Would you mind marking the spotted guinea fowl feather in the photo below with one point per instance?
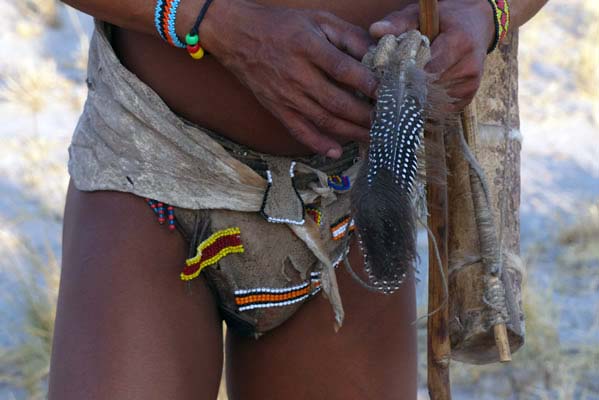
(395, 138)
(382, 200)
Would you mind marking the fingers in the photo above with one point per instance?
(347, 37)
(396, 23)
(457, 54)
(331, 124)
(340, 102)
(466, 68)
(312, 125)
(455, 69)
(306, 133)
(443, 54)
(463, 92)
(452, 46)
(346, 70)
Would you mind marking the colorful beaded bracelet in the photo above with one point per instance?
(501, 13)
(165, 15)
(194, 48)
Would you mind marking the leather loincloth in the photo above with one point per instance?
(284, 223)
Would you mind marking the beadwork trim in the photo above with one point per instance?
(340, 258)
(339, 182)
(315, 213)
(264, 297)
(274, 304)
(245, 292)
(341, 227)
(158, 208)
(501, 14)
(269, 185)
(212, 250)
(316, 283)
(174, 39)
(158, 10)
(165, 15)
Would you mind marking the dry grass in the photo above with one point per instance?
(34, 85)
(546, 367)
(559, 61)
(585, 231)
(25, 365)
(45, 10)
(581, 249)
(30, 85)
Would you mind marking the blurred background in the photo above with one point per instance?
(43, 55)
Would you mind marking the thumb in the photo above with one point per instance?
(396, 23)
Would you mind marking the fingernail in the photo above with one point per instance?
(334, 153)
(380, 27)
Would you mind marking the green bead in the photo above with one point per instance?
(192, 40)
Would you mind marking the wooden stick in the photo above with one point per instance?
(438, 345)
(429, 18)
(470, 126)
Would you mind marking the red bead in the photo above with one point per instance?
(171, 227)
(194, 48)
(190, 269)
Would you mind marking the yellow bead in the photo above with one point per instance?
(198, 54)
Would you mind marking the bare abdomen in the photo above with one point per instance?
(205, 93)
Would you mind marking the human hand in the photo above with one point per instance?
(302, 66)
(458, 53)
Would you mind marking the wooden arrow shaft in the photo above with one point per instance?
(429, 18)
(438, 345)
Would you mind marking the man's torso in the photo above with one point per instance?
(207, 94)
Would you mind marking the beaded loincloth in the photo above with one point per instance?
(266, 231)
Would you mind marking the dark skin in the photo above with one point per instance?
(126, 329)
(281, 78)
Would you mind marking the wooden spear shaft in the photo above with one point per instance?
(438, 345)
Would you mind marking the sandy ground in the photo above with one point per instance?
(42, 91)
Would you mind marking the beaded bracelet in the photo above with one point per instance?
(501, 13)
(194, 48)
(165, 14)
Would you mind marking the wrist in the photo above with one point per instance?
(217, 31)
(214, 30)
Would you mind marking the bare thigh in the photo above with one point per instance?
(373, 356)
(126, 328)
